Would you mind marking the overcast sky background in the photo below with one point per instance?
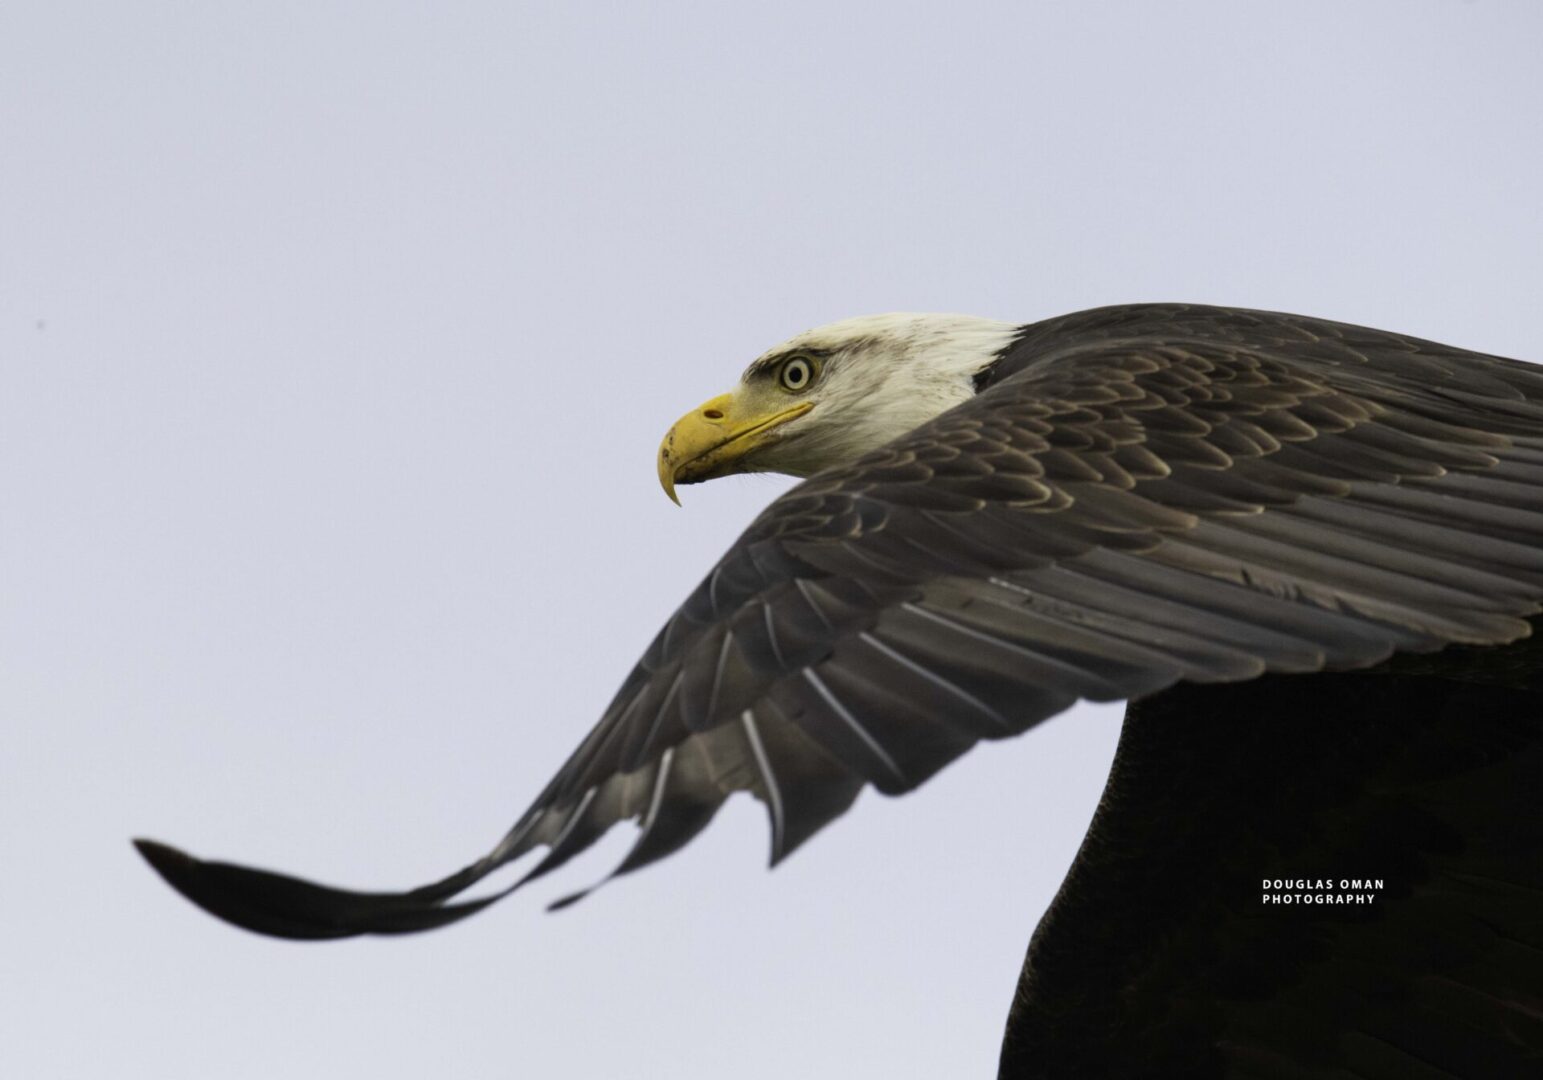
(336, 344)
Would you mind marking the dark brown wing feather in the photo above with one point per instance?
(1139, 496)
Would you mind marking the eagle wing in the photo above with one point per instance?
(1138, 496)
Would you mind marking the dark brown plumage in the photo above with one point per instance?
(1159, 956)
(1138, 497)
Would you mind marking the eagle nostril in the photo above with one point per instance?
(712, 414)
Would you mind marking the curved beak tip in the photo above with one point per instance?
(667, 478)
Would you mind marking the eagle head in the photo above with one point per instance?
(831, 394)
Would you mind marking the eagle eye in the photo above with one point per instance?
(796, 374)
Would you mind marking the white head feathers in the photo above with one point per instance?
(880, 376)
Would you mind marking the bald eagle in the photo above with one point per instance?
(1309, 554)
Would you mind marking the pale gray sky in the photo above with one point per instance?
(336, 343)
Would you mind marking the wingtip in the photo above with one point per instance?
(277, 905)
(163, 857)
(255, 900)
(175, 866)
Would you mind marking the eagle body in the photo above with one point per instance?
(1183, 943)
(1308, 553)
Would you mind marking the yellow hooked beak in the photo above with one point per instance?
(712, 439)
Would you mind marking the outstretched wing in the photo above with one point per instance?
(1138, 496)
